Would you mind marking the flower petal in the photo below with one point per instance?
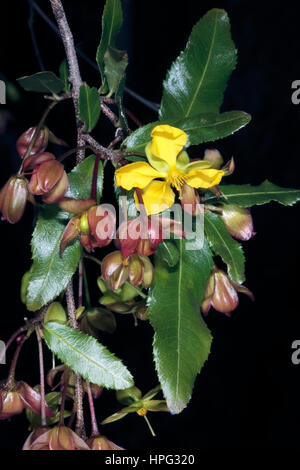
(205, 178)
(157, 196)
(136, 175)
(197, 165)
(157, 163)
(182, 160)
(167, 143)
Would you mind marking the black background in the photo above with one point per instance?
(247, 394)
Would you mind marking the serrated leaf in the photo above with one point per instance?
(112, 20)
(197, 79)
(246, 195)
(168, 252)
(88, 107)
(182, 340)
(64, 75)
(51, 271)
(87, 357)
(199, 129)
(224, 245)
(43, 82)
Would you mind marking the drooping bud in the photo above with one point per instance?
(71, 231)
(40, 143)
(58, 438)
(50, 181)
(56, 313)
(214, 157)
(221, 293)
(13, 198)
(33, 436)
(116, 270)
(101, 224)
(190, 200)
(102, 443)
(14, 398)
(37, 159)
(238, 221)
(76, 206)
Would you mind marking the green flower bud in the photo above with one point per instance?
(129, 395)
(56, 313)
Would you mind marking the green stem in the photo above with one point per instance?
(149, 426)
(86, 288)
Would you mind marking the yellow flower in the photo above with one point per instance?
(169, 166)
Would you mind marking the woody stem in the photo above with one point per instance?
(42, 379)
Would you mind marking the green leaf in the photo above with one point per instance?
(44, 82)
(131, 207)
(246, 195)
(182, 340)
(80, 179)
(87, 357)
(112, 20)
(224, 245)
(200, 128)
(115, 65)
(51, 271)
(168, 252)
(88, 107)
(197, 79)
(64, 75)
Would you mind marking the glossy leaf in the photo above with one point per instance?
(112, 20)
(182, 340)
(43, 82)
(115, 65)
(224, 245)
(87, 357)
(88, 107)
(246, 195)
(51, 271)
(199, 128)
(168, 252)
(197, 79)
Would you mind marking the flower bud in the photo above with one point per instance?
(40, 143)
(33, 436)
(50, 181)
(57, 438)
(13, 198)
(71, 231)
(56, 313)
(33, 161)
(221, 293)
(238, 221)
(101, 224)
(214, 157)
(190, 200)
(102, 443)
(16, 397)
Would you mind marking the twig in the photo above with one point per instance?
(10, 341)
(11, 376)
(74, 72)
(110, 114)
(109, 154)
(30, 23)
(78, 382)
(95, 430)
(42, 379)
(149, 104)
(80, 283)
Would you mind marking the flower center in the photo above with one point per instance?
(176, 178)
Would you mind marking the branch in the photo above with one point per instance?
(74, 72)
(98, 148)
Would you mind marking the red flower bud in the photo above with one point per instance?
(13, 198)
(14, 398)
(39, 145)
(190, 200)
(221, 293)
(58, 438)
(50, 181)
(214, 157)
(37, 159)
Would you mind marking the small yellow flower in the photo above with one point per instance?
(169, 166)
